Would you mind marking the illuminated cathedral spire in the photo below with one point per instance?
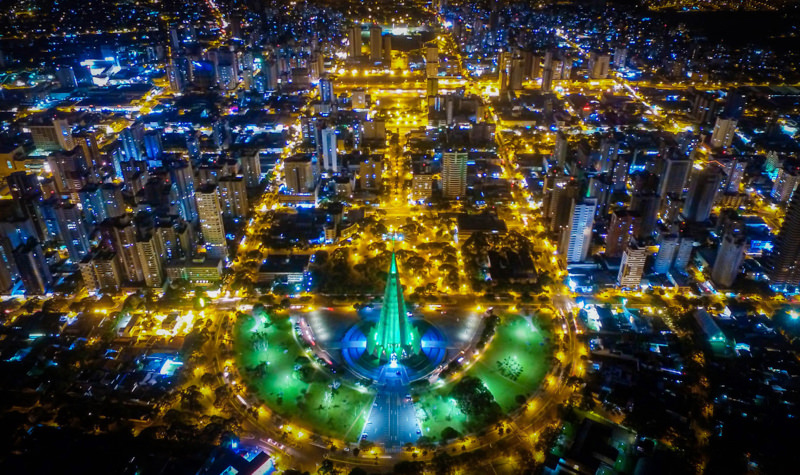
(394, 334)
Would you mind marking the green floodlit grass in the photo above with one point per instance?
(342, 414)
(518, 346)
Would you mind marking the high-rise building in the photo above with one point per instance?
(354, 41)
(326, 90)
(153, 144)
(131, 140)
(730, 256)
(124, 241)
(632, 267)
(620, 57)
(91, 200)
(503, 70)
(72, 231)
(358, 99)
(299, 174)
(421, 186)
(210, 214)
(516, 75)
(327, 150)
(559, 193)
(100, 271)
(547, 73)
(387, 51)
(598, 65)
(150, 260)
(734, 172)
(53, 136)
(70, 172)
(619, 174)
(784, 185)
(609, 150)
(566, 69)
(534, 64)
(623, 226)
(175, 77)
(9, 274)
(560, 150)
(433, 87)
(269, 72)
(32, 268)
(182, 174)
(674, 175)
(250, 166)
(14, 233)
(724, 131)
(735, 104)
(375, 43)
(701, 196)
(577, 237)
(370, 172)
(175, 238)
(113, 202)
(233, 197)
(646, 205)
(454, 174)
(785, 261)
(684, 254)
(667, 250)
(66, 77)
(316, 66)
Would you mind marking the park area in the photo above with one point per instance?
(511, 367)
(290, 381)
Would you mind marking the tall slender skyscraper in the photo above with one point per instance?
(702, 194)
(33, 270)
(785, 262)
(326, 91)
(730, 255)
(210, 214)
(646, 204)
(784, 185)
(454, 174)
(667, 250)
(623, 226)
(375, 43)
(674, 175)
(327, 150)
(724, 131)
(72, 231)
(560, 150)
(577, 238)
(632, 267)
(354, 41)
(298, 174)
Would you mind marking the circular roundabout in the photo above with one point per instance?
(392, 375)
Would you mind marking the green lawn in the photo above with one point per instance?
(518, 348)
(314, 405)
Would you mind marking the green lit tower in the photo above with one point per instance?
(393, 337)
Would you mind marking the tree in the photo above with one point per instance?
(449, 433)
(475, 400)
(208, 379)
(409, 468)
(327, 467)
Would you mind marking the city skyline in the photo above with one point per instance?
(420, 236)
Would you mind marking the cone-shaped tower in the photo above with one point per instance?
(394, 334)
